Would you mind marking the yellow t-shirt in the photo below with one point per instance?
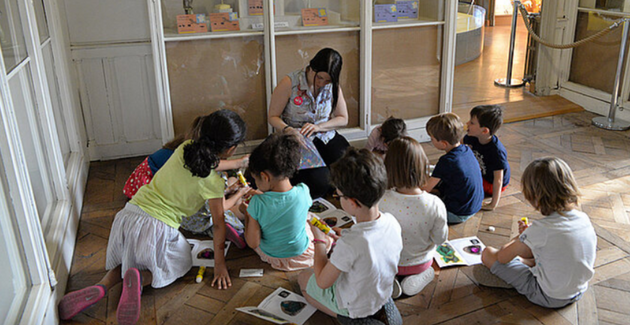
(174, 192)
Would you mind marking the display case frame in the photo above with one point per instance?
(365, 29)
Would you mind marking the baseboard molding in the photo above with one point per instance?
(594, 105)
(62, 260)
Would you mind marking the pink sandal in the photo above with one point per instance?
(232, 235)
(77, 301)
(129, 305)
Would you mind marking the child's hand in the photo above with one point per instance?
(337, 234)
(243, 162)
(522, 226)
(317, 233)
(221, 277)
(488, 207)
(242, 191)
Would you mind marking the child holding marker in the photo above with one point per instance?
(356, 281)
(548, 248)
(143, 174)
(276, 220)
(422, 215)
(144, 243)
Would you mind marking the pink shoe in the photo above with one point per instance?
(232, 235)
(77, 301)
(129, 305)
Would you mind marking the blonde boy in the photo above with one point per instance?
(456, 178)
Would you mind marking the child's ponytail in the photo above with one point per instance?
(217, 133)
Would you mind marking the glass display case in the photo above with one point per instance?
(212, 54)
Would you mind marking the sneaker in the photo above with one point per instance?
(482, 275)
(413, 284)
(128, 311)
(78, 301)
(232, 235)
(397, 291)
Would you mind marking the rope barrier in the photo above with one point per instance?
(591, 38)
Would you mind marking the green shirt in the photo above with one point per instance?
(174, 192)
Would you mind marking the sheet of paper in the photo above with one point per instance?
(287, 305)
(202, 252)
(461, 251)
(248, 273)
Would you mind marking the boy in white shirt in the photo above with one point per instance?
(357, 280)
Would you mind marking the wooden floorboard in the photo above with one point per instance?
(535, 127)
(451, 298)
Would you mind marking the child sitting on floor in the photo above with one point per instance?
(357, 280)
(144, 243)
(276, 221)
(485, 121)
(456, 178)
(557, 252)
(143, 173)
(422, 215)
(381, 136)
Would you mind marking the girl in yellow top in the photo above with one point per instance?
(144, 243)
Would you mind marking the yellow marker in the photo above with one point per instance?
(202, 271)
(525, 220)
(241, 178)
(322, 226)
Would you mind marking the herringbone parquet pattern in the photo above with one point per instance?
(599, 158)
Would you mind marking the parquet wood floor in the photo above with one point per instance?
(599, 158)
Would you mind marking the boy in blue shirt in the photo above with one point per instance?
(456, 178)
(484, 122)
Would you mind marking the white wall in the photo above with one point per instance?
(112, 56)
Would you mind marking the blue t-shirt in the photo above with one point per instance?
(491, 156)
(282, 219)
(461, 187)
(158, 159)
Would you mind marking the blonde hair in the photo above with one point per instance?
(406, 164)
(447, 127)
(549, 186)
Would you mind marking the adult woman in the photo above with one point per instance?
(311, 100)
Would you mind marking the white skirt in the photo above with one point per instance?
(141, 241)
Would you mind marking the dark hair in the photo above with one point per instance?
(406, 164)
(549, 185)
(393, 128)
(447, 127)
(216, 133)
(488, 116)
(329, 61)
(279, 154)
(360, 175)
